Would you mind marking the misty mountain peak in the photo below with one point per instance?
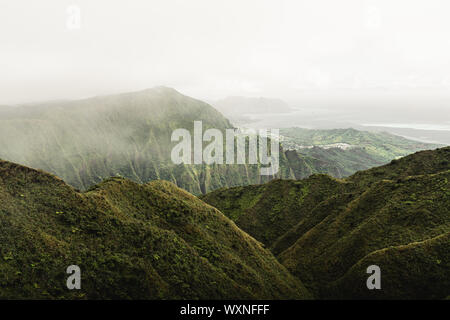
(160, 90)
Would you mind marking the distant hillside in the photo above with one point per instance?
(349, 150)
(431, 136)
(152, 241)
(326, 231)
(334, 161)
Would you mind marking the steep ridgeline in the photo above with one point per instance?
(396, 217)
(127, 135)
(345, 151)
(131, 241)
(267, 211)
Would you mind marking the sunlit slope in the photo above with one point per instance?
(152, 241)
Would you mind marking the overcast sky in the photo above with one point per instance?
(214, 48)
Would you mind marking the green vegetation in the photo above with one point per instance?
(156, 241)
(131, 241)
(128, 135)
(345, 151)
(137, 237)
(395, 216)
(279, 204)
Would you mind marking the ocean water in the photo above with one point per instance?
(418, 126)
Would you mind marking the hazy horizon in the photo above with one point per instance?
(367, 62)
(216, 48)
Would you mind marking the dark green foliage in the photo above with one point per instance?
(420, 163)
(396, 216)
(387, 214)
(279, 204)
(152, 241)
(419, 270)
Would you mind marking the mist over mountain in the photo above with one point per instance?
(416, 113)
(129, 135)
(321, 231)
(225, 150)
(238, 109)
(425, 135)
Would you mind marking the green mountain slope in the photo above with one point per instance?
(420, 163)
(388, 214)
(418, 270)
(334, 161)
(267, 211)
(152, 241)
(127, 135)
(349, 150)
(391, 216)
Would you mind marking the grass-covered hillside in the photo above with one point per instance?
(279, 204)
(396, 216)
(151, 241)
(349, 150)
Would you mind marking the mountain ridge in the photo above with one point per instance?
(131, 241)
(129, 135)
(398, 204)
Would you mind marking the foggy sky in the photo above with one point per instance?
(211, 49)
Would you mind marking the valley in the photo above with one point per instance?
(293, 239)
(92, 183)
(395, 216)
